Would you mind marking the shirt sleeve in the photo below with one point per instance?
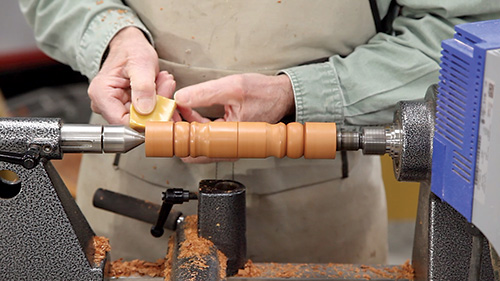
(364, 87)
(77, 33)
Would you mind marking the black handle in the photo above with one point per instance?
(170, 197)
(132, 207)
(28, 160)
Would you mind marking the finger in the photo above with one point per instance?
(206, 160)
(196, 160)
(103, 85)
(123, 96)
(191, 116)
(109, 100)
(221, 91)
(113, 110)
(165, 84)
(176, 117)
(142, 82)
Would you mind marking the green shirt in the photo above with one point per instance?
(361, 88)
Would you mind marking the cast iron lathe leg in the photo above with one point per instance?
(443, 242)
(44, 234)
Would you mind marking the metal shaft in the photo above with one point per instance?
(132, 207)
(371, 140)
(98, 138)
(408, 140)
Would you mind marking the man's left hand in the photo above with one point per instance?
(245, 97)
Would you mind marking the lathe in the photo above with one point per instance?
(445, 142)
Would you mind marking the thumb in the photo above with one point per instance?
(142, 83)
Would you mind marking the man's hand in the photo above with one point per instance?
(130, 74)
(246, 97)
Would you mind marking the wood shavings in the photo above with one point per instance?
(168, 263)
(101, 246)
(120, 268)
(195, 249)
(193, 246)
(250, 270)
(405, 271)
(331, 270)
(222, 265)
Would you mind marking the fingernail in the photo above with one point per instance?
(144, 105)
(181, 98)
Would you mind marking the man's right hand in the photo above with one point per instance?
(129, 74)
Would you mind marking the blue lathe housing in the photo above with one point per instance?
(465, 162)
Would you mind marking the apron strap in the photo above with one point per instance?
(385, 24)
(345, 164)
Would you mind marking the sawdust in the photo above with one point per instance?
(193, 246)
(271, 270)
(250, 270)
(101, 247)
(405, 271)
(120, 268)
(167, 273)
(222, 265)
(331, 270)
(196, 249)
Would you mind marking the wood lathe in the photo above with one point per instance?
(445, 142)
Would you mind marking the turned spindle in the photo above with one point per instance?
(241, 139)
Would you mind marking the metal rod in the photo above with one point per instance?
(132, 207)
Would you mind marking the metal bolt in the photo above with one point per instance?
(29, 163)
(47, 148)
(180, 220)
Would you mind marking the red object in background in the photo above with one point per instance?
(24, 60)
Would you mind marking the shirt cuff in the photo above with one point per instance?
(317, 91)
(101, 29)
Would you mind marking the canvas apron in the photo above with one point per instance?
(297, 210)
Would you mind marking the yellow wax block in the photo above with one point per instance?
(163, 111)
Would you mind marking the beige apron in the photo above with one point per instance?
(297, 210)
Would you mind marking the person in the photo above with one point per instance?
(253, 61)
